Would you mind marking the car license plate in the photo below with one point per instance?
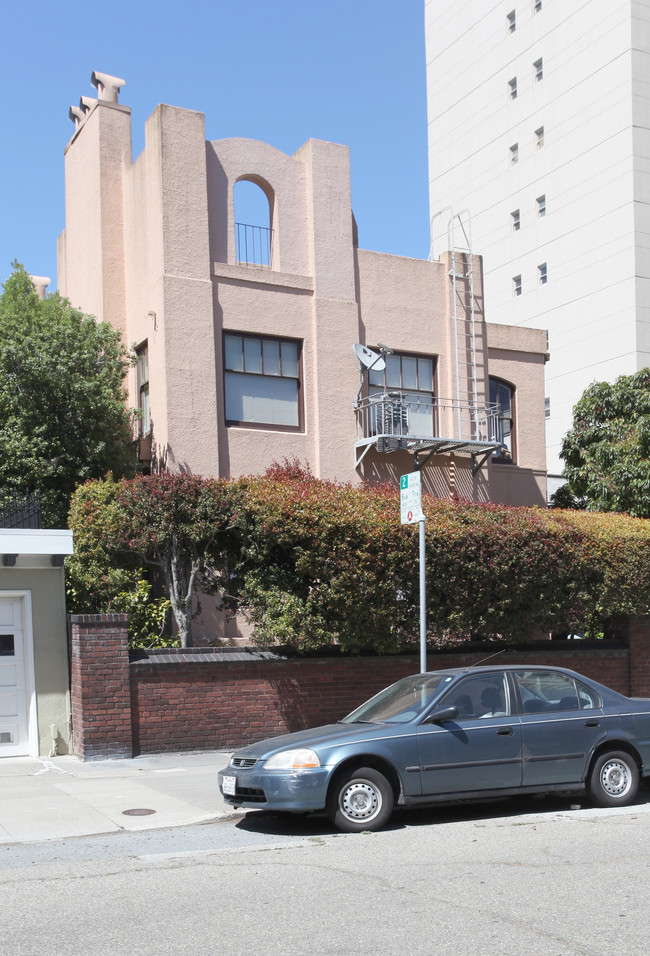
(228, 785)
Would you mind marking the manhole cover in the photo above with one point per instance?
(138, 812)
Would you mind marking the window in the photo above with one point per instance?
(512, 21)
(516, 285)
(550, 691)
(542, 274)
(514, 154)
(516, 220)
(541, 207)
(502, 400)
(412, 376)
(539, 137)
(142, 375)
(547, 408)
(537, 6)
(538, 70)
(262, 381)
(480, 695)
(512, 87)
(253, 233)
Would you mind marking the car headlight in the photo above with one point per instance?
(292, 760)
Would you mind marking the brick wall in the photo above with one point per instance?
(203, 698)
(99, 686)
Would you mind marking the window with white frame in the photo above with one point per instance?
(514, 154)
(412, 377)
(512, 88)
(515, 220)
(539, 138)
(547, 408)
(262, 380)
(541, 206)
(512, 21)
(142, 385)
(542, 274)
(516, 285)
(502, 400)
(538, 70)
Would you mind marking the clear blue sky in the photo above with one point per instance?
(349, 71)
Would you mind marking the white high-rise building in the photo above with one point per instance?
(539, 126)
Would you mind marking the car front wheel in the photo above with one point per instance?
(359, 800)
(614, 779)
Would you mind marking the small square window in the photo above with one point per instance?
(512, 88)
(541, 207)
(538, 70)
(516, 285)
(512, 21)
(539, 137)
(542, 274)
(514, 154)
(516, 220)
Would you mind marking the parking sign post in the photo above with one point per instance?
(410, 512)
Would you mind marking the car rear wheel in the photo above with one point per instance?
(359, 800)
(614, 779)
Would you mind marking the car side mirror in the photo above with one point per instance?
(439, 714)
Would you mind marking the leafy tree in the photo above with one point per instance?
(63, 417)
(101, 578)
(182, 525)
(315, 563)
(607, 450)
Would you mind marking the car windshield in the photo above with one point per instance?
(402, 701)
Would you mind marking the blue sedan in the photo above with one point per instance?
(452, 734)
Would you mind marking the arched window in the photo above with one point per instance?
(502, 398)
(253, 236)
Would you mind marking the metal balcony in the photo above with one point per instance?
(392, 421)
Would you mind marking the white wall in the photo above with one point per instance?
(594, 105)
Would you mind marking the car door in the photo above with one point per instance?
(561, 722)
(478, 750)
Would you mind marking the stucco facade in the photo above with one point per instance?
(34, 675)
(248, 359)
(539, 124)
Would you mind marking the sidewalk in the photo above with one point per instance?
(47, 798)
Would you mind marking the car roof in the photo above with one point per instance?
(474, 668)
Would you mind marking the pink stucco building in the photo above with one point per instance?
(245, 333)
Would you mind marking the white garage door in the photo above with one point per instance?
(15, 677)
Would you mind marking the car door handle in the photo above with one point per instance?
(592, 723)
(505, 732)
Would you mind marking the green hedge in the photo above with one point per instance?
(316, 562)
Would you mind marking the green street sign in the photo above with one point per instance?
(410, 498)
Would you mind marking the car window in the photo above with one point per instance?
(552, 691)
(479, 695)
(402, 701)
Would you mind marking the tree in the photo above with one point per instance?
(182, 525)
(607, 450)
(63, 417)
(102, 578)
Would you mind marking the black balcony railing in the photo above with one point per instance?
(20, 509)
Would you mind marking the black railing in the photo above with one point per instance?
(20, 509)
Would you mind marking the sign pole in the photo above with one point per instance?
(423, 600)
(410, 512)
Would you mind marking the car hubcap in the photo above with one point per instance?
(615, 778)
(360, 801)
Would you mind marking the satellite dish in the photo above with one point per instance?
(369, 358)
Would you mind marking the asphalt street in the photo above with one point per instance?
(547, 877)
